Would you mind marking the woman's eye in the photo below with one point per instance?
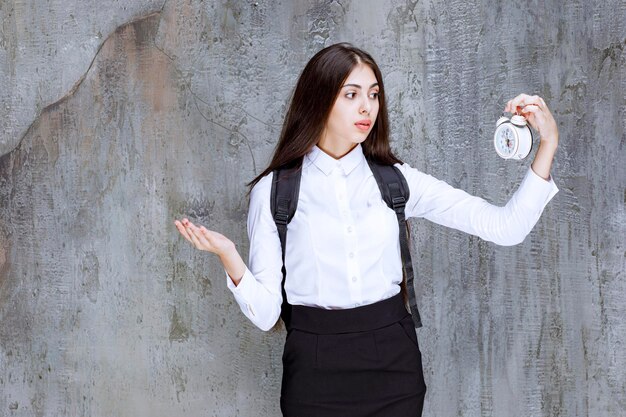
(374, 95)
(350, 94)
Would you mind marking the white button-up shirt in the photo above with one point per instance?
(343, 247)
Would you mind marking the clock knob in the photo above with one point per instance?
(518, 120)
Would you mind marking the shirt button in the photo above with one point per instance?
(351, 254)
(353, 279)
(349, 229)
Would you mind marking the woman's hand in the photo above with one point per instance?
(217, 243)
(535, 110)
(204, 239)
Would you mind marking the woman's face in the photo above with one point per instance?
(354, 113)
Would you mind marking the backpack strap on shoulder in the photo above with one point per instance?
(395, 191)
(283, 203)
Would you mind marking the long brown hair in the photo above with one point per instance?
(312, 101)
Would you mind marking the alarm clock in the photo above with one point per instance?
(513, 138)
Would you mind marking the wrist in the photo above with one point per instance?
(549, 142)
(546, 150)
(233, 264)
(227, 251)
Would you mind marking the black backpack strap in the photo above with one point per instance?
(395, 192)
(283, 203)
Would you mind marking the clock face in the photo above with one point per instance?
(505, 141)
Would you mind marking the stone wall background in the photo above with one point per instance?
(118, 117)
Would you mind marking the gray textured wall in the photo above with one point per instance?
(118, 117)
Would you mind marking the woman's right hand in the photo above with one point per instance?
(204, 239)
(217, 243)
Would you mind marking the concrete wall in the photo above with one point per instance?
(118, 117)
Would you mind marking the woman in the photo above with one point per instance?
(342, 256)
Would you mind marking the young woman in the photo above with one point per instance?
(354, 350)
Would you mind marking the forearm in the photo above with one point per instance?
(233, 264)
(543, 159)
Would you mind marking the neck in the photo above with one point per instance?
(335, 150)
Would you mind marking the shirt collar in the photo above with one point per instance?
(327, 163)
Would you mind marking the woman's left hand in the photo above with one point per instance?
(535, 110)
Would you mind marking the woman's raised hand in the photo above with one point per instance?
(535, 110)
(203, 238)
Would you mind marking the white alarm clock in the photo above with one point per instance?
(513, 138)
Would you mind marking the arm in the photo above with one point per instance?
(443, 204)
(258, 294)
(508, 225)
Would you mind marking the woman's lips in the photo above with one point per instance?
(363, 124)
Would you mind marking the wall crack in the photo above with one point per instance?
(79, 82)
(195, 102)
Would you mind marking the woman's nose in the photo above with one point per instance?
(365, 108)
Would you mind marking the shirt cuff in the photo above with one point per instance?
(243, 291)
(240, 288)
(535, 191)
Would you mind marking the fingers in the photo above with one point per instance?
(199, 237)
(185, 227)
(520, 103)
(204, 233)
(182, 230)
(537, 113)
(203, 238)
(194, 238)
(530, 108)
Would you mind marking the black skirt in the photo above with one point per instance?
(359, 362)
